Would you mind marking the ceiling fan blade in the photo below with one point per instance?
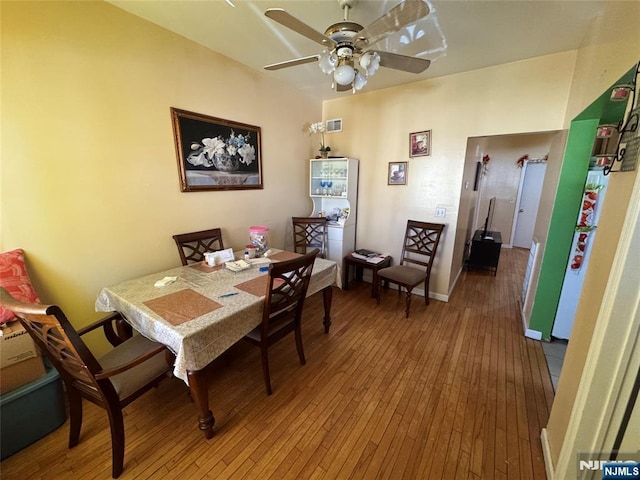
(403, 14)
(289, 21)
(292, 63)
(403, 62)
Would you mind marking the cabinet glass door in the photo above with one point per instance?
(329, 178)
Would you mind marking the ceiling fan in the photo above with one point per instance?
(348, 55)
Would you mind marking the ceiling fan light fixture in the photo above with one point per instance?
(359, 81)
(370, 61)
(343, 57)
(344, 74)
(327, 62)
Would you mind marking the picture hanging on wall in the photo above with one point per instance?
(420, 144)
(216, 154)
(397, 173)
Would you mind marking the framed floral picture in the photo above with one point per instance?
(420, 144)
(397, 173)
(216, 154)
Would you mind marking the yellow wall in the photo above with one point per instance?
(502, 176)
(510, 98)
(611, 49)
(89, 174)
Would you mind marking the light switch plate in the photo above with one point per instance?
(441, 211)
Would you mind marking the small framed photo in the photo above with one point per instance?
(397, 173)
(216, 154)
(420, 144)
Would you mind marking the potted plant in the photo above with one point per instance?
(318, 127)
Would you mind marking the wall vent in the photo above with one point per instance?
(334, 125)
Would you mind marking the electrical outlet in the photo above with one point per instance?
(441, 211)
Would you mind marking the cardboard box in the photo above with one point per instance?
(20, 360)
(21, 373)
(16, 344)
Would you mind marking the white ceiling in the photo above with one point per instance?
(457, 36)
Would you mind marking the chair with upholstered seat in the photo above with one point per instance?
(309, 233)
(112, 382)
(192, 246)
(282, 311)
(419, 248)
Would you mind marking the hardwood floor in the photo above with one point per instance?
(454, 392)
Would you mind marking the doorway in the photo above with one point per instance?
(524, 221)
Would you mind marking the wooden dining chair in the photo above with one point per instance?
(310, 232)
(419, 248)
(282, 310)
(111, 382)
(192, 246)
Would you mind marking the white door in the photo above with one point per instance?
(528, 204)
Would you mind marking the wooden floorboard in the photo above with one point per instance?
(455, 391)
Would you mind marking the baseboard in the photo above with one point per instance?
(435, 296)
(367, 277)
(523, 316)
(546, 451)
(534, 334)
(439, 296)
(455, 282)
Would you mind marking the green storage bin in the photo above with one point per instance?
(30, 412)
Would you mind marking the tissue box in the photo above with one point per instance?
(30, 412)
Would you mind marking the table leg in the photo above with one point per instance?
(345, 275)
(327, 296)
(123, 329)
(200, 394)
(374, 283)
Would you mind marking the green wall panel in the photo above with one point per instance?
(573, 175)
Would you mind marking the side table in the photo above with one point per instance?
(359, 264)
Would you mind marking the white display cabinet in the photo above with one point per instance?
(333, 187)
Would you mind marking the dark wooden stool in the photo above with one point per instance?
(359, 264)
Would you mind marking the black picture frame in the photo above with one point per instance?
(216, 154)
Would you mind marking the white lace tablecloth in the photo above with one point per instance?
(198, 341)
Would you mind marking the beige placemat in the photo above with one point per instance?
(256, 286)
(204, 267)
(182, 306)
(281, 256)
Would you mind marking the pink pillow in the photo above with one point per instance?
(15, 279)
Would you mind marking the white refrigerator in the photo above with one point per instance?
(585, 232)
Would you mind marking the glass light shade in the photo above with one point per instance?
(370, 61)
(344, 74)
(327, 62)
(359, 81)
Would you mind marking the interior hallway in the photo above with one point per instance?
(454, 392)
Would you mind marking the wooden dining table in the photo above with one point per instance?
(201, 311)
